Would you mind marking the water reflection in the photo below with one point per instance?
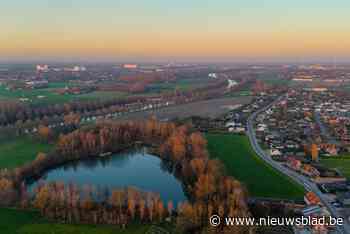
(135, 168)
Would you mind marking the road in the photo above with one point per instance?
(298, 178)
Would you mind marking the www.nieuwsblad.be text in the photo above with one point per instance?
(216, 220)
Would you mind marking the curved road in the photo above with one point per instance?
(298, 178)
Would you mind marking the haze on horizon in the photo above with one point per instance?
(168, 29)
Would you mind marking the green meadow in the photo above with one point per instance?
(16, 152)
(340, 163)
(242, 163)
(49, 96)
(29, 222)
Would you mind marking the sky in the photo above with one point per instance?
(134, 29)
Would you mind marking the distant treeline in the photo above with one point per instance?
(16, 113)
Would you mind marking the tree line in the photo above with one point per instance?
(72, 204)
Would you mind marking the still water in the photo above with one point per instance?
(135, 168)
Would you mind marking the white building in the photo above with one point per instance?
(42, 68)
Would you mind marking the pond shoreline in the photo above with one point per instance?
(38, 173)
(87, 157)
(132, 168)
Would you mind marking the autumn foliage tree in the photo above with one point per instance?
(7, 191)
(72, 119)
(45, 133)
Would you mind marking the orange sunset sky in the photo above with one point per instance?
(183, 28)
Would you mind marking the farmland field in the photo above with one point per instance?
(17, 152)
(49, 96)
(182, 84)
(208, 108)
(242, 163)
(341, 163)
(101, 95)
(271, 78)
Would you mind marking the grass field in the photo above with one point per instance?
(29, 222)
(50, 96)
(239, 93)
(102, 95)
(242, 163)
(182, 85)
(341, 163)
(208, 108)
(345, 88)
(272, 78)
(16, 152)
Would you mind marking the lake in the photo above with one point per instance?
(135, 168)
